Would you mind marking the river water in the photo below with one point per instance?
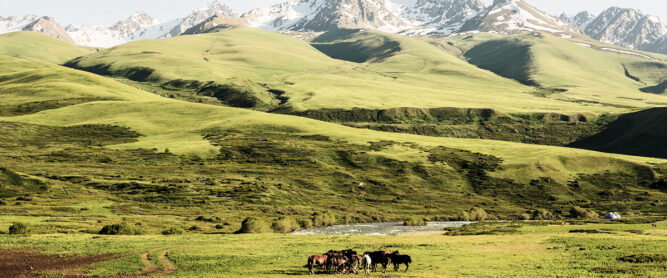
(380, 229)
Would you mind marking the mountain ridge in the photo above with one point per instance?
(622, 27)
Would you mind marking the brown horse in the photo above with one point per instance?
(313, 260)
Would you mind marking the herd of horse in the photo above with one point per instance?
(350, 262)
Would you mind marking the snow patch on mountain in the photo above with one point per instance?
(514, 16)
(15, 23)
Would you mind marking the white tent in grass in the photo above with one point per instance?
(613, 215)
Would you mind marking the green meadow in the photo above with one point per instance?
(544, 250)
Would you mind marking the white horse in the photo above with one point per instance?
(366, 263)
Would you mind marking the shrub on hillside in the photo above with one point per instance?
(119, 229)
(306, 223)
(582, 213)
(474, 214)
(254, 225)
(478, 214)
(463, 216)
(542, 214)
(414, 221)
(324, 220)
(18, 229)
(524, 216)
(284, 225)
(172, 231)
(213, 219)
(3, 203)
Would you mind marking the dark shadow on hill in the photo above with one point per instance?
(355, 46)
(140, 74)
(534, 128)
(642, 133)
(38, 106)
(507, 58)
(657, 89)
(263, 99)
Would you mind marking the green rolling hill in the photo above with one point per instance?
(131, 147)
(40, 46)
(419, 75)
(576, 70)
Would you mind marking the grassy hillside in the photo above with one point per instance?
(31, 85)
(142, 155)
(578, 71)
(642, 133)
(40, 46)
(267, 71)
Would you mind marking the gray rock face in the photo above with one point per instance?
(49, 26)
(628, 28)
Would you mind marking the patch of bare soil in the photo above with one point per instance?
(26, 263)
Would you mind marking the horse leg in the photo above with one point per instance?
(407, 265)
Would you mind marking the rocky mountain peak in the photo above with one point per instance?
(47, 25)
(514, 16)
(134, 22)
(214, 8)
(629, 28)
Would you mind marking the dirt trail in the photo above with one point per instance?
(150, 269)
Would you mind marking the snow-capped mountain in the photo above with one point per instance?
(202, 14)
(407, 16)
(323, 15)
(628, 28)
(137, 27)
(440, 16)
(580, 20)
(141, 26)
(45, 24)
(623, 27)
(215, 21)
(14, 23)
(514, 16)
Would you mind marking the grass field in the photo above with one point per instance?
(531, 251)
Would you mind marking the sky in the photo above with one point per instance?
(107, 12)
